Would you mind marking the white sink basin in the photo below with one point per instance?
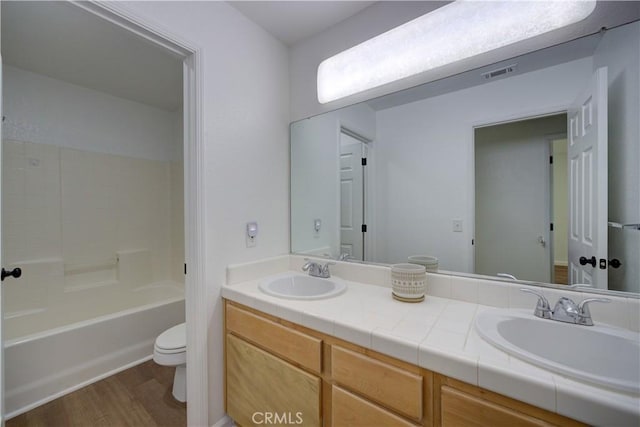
(598, 354)
(303, 287)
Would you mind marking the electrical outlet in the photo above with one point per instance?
(457, 225)
(252, 234)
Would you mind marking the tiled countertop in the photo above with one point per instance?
(437, 334)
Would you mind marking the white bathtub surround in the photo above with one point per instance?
(134, 267)
(85, 208)
(438, 334)
(50, 364)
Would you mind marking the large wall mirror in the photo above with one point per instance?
(528, 169)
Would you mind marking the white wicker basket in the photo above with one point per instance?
(430, 262)
(408, 282)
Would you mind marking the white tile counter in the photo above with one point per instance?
(437, 334)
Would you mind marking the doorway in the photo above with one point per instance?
(353, 160)
(191, 133)
(515, 232)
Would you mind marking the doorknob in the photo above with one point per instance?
(585, 261)
(615, 263)
(16, 272)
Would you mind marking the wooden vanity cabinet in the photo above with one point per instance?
(390, 386)
(460, 404)
(272, 373)
(312, 379)
(348, 409)
(261, 386)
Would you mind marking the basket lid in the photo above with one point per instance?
(408, 268)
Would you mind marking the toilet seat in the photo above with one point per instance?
(173, 340)
(170, 348)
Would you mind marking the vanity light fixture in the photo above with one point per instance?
(460, 30)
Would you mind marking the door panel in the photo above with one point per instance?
(587, 157)
(351, 197)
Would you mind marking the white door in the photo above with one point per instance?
(351, 197)
(587, 166)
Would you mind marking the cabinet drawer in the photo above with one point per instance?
(288, 343)
(348, 409)
(461, 409)
(260, 387)
(390, 386)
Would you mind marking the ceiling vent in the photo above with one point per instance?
(500, 72)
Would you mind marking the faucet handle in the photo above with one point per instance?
(542, 309)
(585, 313)
(325, 269)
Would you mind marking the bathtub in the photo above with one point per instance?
(91, 334)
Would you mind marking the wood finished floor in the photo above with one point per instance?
(561, 274)
(138, 397)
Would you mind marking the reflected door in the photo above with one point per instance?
(587, 163)
(351, 197)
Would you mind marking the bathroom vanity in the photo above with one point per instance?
(362, 358)
(315, 379)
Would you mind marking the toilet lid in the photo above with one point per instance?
(173, 338)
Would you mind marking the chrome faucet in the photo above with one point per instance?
(344, 257)
(565, 309)
(317, 270)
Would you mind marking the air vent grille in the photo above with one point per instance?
(500, 72)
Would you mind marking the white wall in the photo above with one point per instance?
(424, 159)
(315, 174)
(620, 51)
(177, 202)
(246, 117)
(43, 110)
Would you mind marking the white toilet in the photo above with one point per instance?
(170, 349)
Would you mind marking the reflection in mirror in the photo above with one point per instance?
(460, 169)
(514, 209)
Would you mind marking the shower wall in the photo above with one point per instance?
(92, 191)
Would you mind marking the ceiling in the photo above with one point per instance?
(292, 21)
(65, 42)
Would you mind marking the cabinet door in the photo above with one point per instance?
(461, 409)
(347, 409)
(385, 384)
(277, 339)
(263, 389)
